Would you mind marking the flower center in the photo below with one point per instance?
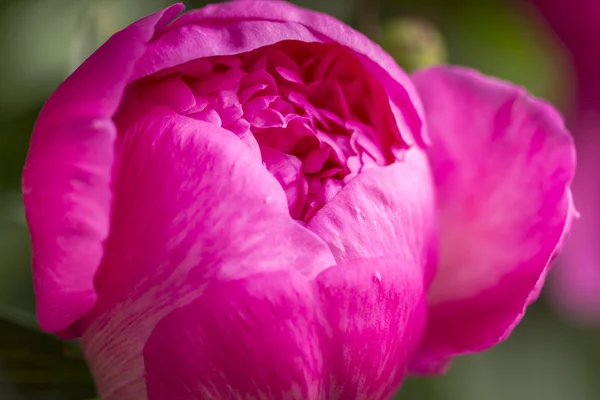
(310, 111)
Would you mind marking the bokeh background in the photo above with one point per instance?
(551, 356)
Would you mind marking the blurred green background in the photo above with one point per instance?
(42, 41)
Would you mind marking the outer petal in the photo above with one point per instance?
(192, 205)
(503, 162)
(347, 335)
(374, 314)
(384, 212)
(255, 338)
(236, 27)
(66, 180)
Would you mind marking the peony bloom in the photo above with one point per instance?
(252, 200)
(576, 287)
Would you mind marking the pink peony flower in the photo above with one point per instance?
(576, 287)
(243, 202)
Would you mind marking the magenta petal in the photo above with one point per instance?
(171, 92)
(287, 169)
(66, 179)
(503, 162)
(374, 313)
(347, 335)
(255, 338)
(383, 212)
(232, 28)
(193, 204)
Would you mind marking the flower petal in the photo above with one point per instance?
(347, 335)
(66, 180)
(374, 315)
(384, 212)
(232, 28)
(254, 338)
(192, 204)
(503, 162)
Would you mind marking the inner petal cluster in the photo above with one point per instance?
(309, 111)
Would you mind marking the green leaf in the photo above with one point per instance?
(35, 366)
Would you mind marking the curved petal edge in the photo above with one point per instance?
(503, 163)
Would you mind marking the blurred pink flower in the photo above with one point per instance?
(242, 202)
(576, 283)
